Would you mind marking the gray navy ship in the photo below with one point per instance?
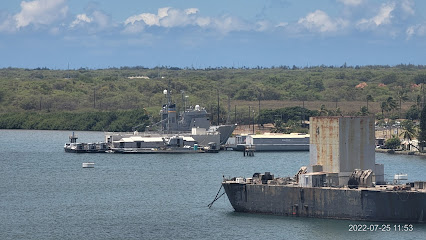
(342, 181)
(187, 132)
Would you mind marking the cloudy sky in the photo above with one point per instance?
(200, 34)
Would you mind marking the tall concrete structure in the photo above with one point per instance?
(342, 144)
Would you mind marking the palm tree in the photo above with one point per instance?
(402, 96)
(363, 111)
(418, 102)
(391, 103)
(383, 107)
(409, 131)
(323, 111)
(369, 98)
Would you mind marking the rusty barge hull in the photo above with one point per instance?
(322, 202)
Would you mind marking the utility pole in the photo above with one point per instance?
(249, 119)
(303, 112)
(258, 120)
(228, 115)
(183, 100)
(423, 93)
(253, 120)
(169, 101)
(218, 107)
(235, 113)
(94, 98)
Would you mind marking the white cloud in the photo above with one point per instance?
(203, 21)
(7, 23)
(262, 26)
(319, 21)
(410, 31)
(95, 21)
(40, 12)
(162, 12)
(148, 18)
(102, 20)
(419, 30)
(226, 24)
(383, 17)
(133, 28)
(408, 7)
(385, 14)
(178, 18)
(351, 2)
(81, 18)
(171, 17)
(281, 24)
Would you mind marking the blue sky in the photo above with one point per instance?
(200, 34)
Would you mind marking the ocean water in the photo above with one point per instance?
(46, 194)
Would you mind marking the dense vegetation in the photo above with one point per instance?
(88, 121)
(42, 93)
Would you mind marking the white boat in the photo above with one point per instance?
(88, 165)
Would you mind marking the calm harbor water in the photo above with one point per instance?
(46, 194)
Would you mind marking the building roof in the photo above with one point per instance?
(141, 139)
(280, 135)
(151, 139)
(188, 139)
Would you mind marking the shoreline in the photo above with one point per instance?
(400, 152)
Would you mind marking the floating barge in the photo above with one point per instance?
(273, 142)
(342, 181)
(280, 196)
(74, 147)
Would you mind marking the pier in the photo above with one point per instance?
(249, 151)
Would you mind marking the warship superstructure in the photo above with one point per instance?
(188, 131)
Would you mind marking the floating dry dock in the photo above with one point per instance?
(342, 181)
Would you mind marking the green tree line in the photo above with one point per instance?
(120, 121)
(118, 89)
(36, 94)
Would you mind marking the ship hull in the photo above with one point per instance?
(155, 151)
(335, 203)
(69, 150)
(273, 147)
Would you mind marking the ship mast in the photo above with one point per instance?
(169, 102)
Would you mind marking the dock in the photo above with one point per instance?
(249, 151)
